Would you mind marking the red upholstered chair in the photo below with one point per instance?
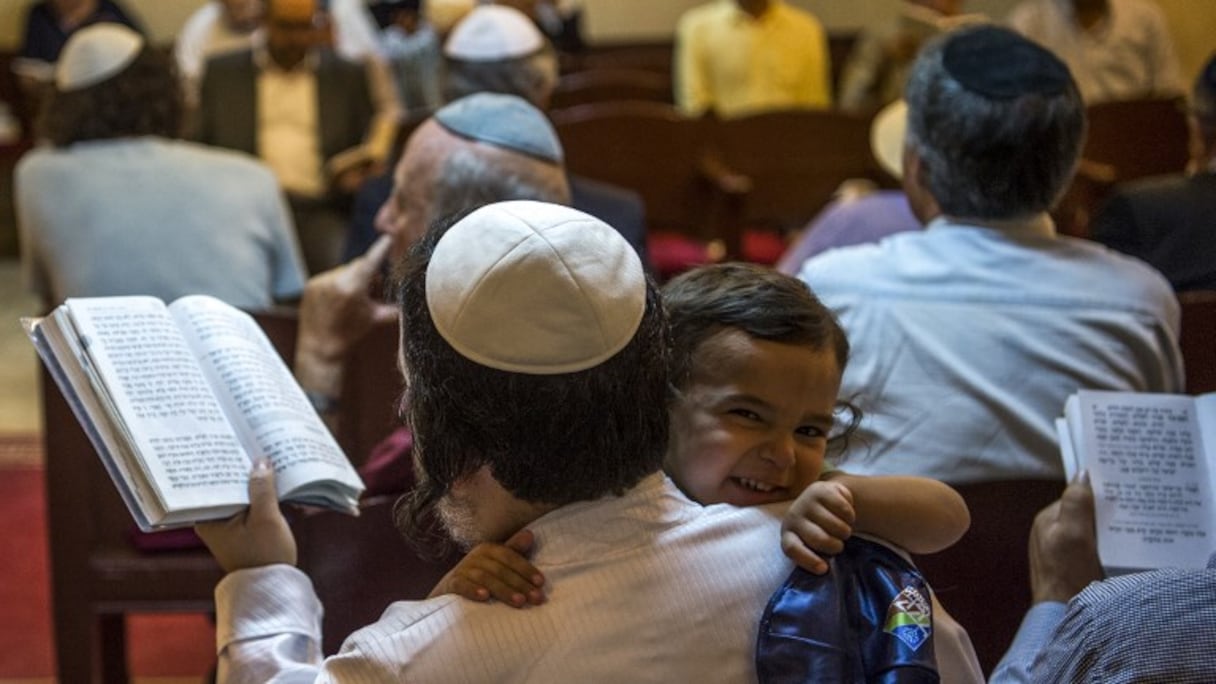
(984, 580)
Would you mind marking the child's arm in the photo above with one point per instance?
(499, 571)
(919, 514)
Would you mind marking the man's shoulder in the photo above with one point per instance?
(707, 14)
(849, 262)
(233, 167)
(797, 17)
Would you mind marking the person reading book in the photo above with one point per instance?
(536, 356)
(176, 398)
(1149, 457)
(1145, 627)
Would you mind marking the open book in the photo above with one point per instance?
(1150, 461)
(179, 399)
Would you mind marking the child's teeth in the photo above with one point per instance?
(758, 486)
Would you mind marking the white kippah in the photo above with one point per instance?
(493, 32)
(537, 288)
(887, 133)
(94, 54)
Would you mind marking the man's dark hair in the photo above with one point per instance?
(551, 439)
(760, 302)
(990, 157)
(143, 99)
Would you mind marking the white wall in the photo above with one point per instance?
(1192, 21)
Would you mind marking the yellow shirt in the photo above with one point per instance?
(735, 64)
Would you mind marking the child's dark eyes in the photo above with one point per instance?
(745, 414)
(811, 431)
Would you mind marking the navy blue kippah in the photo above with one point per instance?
(505, 121)
(1000, 64)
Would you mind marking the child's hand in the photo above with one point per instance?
(818, 522)
(499, 571)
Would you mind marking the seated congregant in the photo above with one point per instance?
(115, 204)
(737, 57)
(971, 334)
(1116, 49)
(1168, 220)
(322, 123)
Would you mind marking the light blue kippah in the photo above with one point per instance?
(506, 121)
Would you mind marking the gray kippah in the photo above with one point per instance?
(506, 121)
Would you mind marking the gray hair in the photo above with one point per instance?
(468, 180)
(987, 158)
(532, 77)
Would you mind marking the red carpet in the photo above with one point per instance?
(161, 645)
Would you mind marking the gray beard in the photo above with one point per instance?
(457, 518)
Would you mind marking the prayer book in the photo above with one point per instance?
(1150, 461)
(178, 400)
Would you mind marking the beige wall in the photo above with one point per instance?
(1193, 21)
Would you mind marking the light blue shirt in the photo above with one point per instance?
(1147, 627)
(966, 341)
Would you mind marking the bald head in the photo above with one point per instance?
(465, 157)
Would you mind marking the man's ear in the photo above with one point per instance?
(923, 204)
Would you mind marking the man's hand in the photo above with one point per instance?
(499, 571)
(337, 311)
(1064, 547)
(256, 537)
(818, 522)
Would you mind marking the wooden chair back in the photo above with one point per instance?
(98, 574)
(650, 148)
(1144, 137)
(1198, 340)
(611, 85)
(984, 580)
(795, 160)
(371, 392)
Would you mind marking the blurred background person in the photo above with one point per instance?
(737, 57)
(1115, 49)
(116, 205)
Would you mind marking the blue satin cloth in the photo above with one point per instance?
(867, 620)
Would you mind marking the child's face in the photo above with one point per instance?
(752, 425)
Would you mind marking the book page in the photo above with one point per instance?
(261, 396)
(1068, 454)
(132, 348)
(1150, 479)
